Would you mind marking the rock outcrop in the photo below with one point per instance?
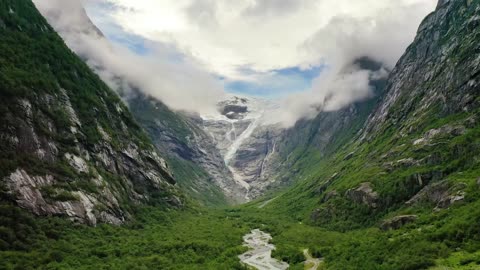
(398, 222)
(363, 194)
(441, 194)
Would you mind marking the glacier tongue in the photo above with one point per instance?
(232, 150)
(245, 142)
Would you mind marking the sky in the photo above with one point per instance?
(298, 51)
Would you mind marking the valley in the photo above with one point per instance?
(102, 175)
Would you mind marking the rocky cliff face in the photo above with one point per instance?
(438, 74)
(68, 145)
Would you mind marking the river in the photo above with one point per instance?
(260, 253)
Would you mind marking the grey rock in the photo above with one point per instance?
(77, 163)
(398, 222)
(442, 194)
(144, 168)
(349, 156)
(27, 191)
(175, 201)
(449, 200)
(401, 163)
(364, 194)
(330, 195)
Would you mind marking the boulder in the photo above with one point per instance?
(364, 194)
(175, 201)
(330, 195)
(449, 200)
(349, 156)
(397, 222)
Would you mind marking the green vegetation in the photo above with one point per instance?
(52, 103)
(35, 64)
(156, 240)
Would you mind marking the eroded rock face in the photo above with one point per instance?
(247, 145)
(364, 194)
(77, 163)
(398, 222)
(30, 193)
(67, 164)
(255, 161)
(442, 194)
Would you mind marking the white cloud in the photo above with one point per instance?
(382, 36)
(226, 37)
(261, 34)
(163, 74)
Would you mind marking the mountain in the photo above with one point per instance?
(195, 158)
(244, 140)
(68, 145)
(418, 152)
(198, 167)
(392, 182)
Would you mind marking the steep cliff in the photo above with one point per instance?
(68, 145)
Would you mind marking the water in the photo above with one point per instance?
(260, 253)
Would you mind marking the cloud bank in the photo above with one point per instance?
(161, 73)
(184, 51)
(382, 37)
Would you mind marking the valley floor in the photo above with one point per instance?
(212, 239)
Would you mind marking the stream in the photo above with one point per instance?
(260, 253)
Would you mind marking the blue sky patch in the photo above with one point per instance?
(276, 83)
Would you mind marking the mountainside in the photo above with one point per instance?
(309, 140)
(417, 158)
(195, 159)
(68, 145)
(195, 162)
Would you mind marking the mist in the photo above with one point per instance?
(206, 40)
(382, 37)
(161, 73)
